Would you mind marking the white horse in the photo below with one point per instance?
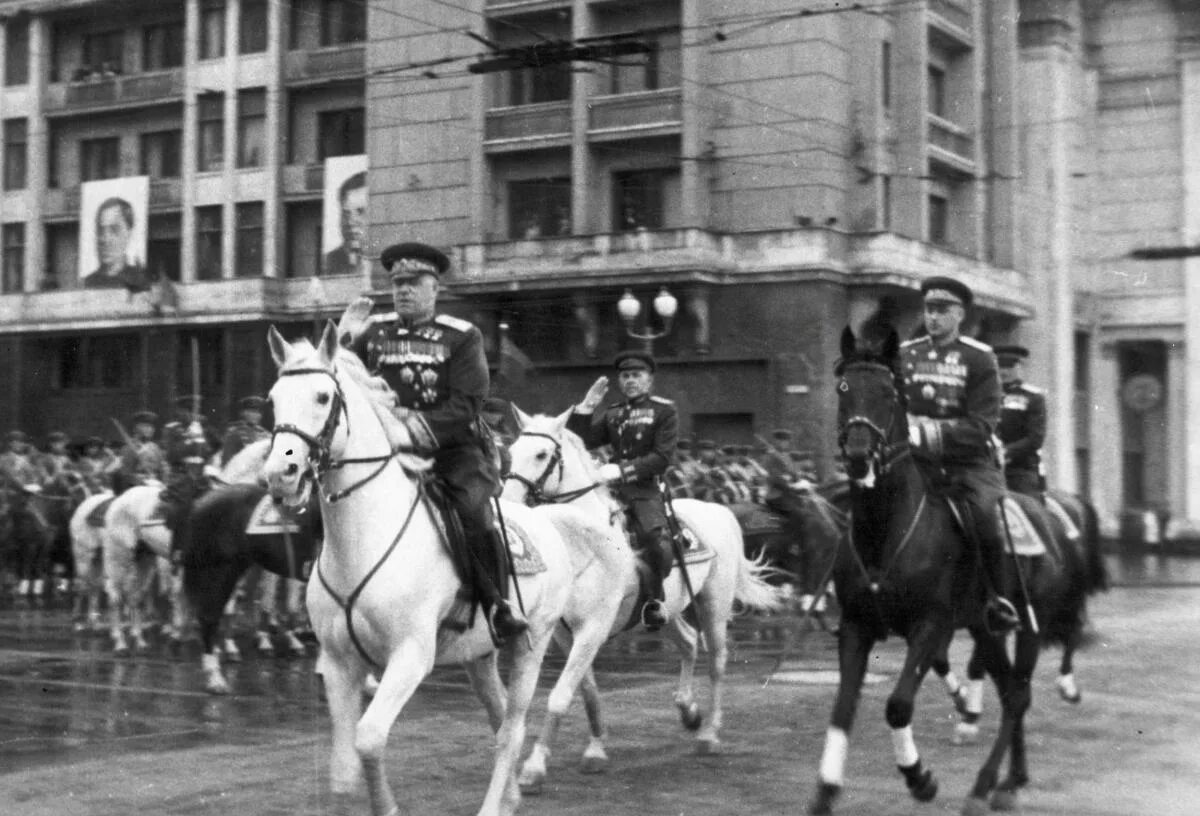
(386, 595)
(87, 548)
(550, 464)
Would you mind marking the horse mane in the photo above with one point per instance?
(245, 465)
(544, 423)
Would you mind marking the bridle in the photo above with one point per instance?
(536, 487)
(320, 454)
(882, 453)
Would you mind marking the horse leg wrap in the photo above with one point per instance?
(920, 781)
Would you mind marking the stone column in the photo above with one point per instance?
(582, 83)
(1105, 459)
(1189, 364)
(274, 231)
(189, 143)
(37, 150)
(1176, 431)
(693, 174)
(1049, 70)
(229, 154)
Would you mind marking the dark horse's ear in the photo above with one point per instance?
(891, 346)
(847, 342)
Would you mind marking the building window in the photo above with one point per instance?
(539, 208)
(551, 83)
(303, 239)
(62, 255)
(208, 243)
(649, 72)
(163, 247)
(160, 153)
(885, 74)
(341, 133)
(16, 138)
(210, 343)
(13, 239)
(249, 241)
(939, 219)
(343, 21)
(936, 89)
(212, 29)
(103, 361)
(54, 144)
(103, 55)
(638, 199)
(252, 28)
(211, 141)
(99, 158)
(162, 46)
(252, 127)
(16, 51)
(885, 203)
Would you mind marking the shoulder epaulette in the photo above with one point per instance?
(916, 341)
(973, 343)
(661, 400)
(456, 323)
(1033, 389)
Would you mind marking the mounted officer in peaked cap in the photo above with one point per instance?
(141, 459)
(643, 432)
(953, 392)
(188, 444)
(435, 363)
(1022, 428)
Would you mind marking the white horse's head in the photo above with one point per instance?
(547, 460)
(308, 404)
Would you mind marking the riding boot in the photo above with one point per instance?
(507, 621)
(1000, 615)
(659, 556)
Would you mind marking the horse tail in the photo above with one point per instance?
(752, 589)
(1097, 569)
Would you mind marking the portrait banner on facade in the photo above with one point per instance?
(112, 233)
(344, 220)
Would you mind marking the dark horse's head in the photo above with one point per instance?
(871, 408)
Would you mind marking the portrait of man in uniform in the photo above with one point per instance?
(112, 241)
(344, 233)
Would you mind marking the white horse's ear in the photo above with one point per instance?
(561, 420)
(329, 342)
(523, 419)
(279, 347)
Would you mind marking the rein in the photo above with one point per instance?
(536, 487)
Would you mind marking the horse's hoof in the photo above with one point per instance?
(966, 734)
(925, 789)
(1005, 800)
(708, 747)
(121, 650)
(531, 786)
(974, 806)
(691, 717)
(217, 685)
(822, 801)
(593, 765)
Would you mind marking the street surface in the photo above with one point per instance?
(84, 733)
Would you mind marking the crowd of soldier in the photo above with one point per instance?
(738, 474)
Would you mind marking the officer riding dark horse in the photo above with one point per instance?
(436, 366)
(642, 430)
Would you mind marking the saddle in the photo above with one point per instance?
(96, 517)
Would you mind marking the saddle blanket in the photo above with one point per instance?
(268, 519)
(1025, 538)
(526, 559)
(695, 551)
(96, 517)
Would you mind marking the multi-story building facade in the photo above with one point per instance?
(778, 171)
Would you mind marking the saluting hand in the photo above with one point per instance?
(354, 320)
(594, 395)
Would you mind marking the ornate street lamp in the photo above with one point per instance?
(665, 306)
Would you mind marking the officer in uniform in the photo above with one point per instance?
(56, 462)
(94, 464)
(643, 431)
(435, 363)
(187, 448)
(19, 466)
(778, 464)
(953, 392)
(1022, 428)
(141, 459)
(246, 430)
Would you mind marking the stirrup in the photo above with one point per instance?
(654, 617)
(507, 622)
(1000, 616)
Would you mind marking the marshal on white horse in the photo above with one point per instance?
(385, 594)
(550, 464)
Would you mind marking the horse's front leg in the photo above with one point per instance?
(708, 740)
(343, 692)
(685, 638)
(924, 643)
(484, 675)
(854, 648)
(595, 758)
(1027, 648)
(991, 651)
(1065, 683)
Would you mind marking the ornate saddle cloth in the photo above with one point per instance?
(96, 517)
(1025, 538)
(268, 519)
(695, 551)
(526, 558)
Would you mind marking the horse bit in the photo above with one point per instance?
(537, 494)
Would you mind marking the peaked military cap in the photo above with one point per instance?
(1009, 355)
(148, 417)
(56, 436)
(706, 444)
(251, 403)
(632, 359)
(940, 289)
(17, 436)
(412, 259)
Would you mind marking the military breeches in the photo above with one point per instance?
(469, 481)
(1028, 482)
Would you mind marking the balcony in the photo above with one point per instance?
(520, 127)
(958, 13)
(200, 302)
(64, 202)
(115, 92)
(303, 179)
(335, 62)
(647, 113)
(950, 145)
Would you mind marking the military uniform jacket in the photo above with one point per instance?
(57, 464)
(20, 470)
(1022, 426)
(958, 386)
(238, 435)
(642, 433)
(437, 369)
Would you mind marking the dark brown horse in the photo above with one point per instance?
(907, 569)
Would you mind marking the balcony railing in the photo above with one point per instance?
(115, 91)
(952, 142)
(635, 111)
(544, 120)
(526, 6)
(955, 12)
(326, 63)
(62, 201)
